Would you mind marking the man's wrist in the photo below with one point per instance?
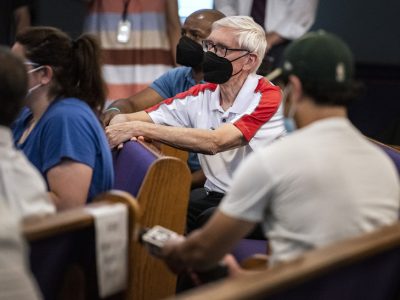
(114, 109)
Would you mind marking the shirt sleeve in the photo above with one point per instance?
(70, 136)
(175, 111)
(268, 105)
(163, 84)
(250, 192)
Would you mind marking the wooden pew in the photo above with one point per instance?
(163, 191)
(174, 152)
(365, 267)
(63, 254)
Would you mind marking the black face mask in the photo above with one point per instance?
(218, 69)
(189, 53)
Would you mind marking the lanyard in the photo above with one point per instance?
(125, 10)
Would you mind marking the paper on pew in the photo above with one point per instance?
(111, 225)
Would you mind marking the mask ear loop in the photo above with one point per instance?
(292, 109)
(231, 61)
(35, 69)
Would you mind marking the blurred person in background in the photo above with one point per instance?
(14, 16)
(22, 188)
(138, 40)
(283, 21)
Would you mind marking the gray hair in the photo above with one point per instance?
(248, 33)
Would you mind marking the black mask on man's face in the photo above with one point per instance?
(189, 53)
(218, 69)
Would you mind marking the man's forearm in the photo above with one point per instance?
(204, 141)
(204, 248)
(195, 140)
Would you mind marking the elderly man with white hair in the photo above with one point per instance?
(224, 119)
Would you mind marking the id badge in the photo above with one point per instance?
(124, 31)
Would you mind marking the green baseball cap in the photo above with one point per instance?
(319, 59)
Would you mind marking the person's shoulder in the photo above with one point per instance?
(70, 110)
(69, 107)
(288, 147)
(197, 89)
(264, 85)
(181, 71)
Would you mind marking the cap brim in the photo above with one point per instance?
(275, 74)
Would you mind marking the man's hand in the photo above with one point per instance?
(170, 257)
(122, 132)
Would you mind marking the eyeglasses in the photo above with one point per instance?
(219, 49)
(31, 63)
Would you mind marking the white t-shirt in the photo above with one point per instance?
(320, 184)
(16, 281)
(256, 112)
(22, 187)
(289, 18)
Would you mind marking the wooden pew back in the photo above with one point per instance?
(163, 197)
(63, 252)
(366, 267)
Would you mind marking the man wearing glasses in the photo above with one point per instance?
(225, 119)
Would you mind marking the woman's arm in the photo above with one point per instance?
(69, 184)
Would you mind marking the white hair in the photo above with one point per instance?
(248, 33)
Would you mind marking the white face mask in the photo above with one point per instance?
(33, 89)
(34, 70)
(289, 123)
(36, 86)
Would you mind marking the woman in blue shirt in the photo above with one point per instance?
(59, 130)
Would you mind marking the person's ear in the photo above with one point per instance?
(47, 75)
(251, 61)
(296, 88)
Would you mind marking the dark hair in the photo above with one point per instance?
(334, 96)
(323, 95)
(76, 64)
(13, 86)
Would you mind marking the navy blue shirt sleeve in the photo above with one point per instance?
(163, 84)
(173, 82)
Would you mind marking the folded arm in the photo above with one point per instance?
(138, 102)
(204, 141)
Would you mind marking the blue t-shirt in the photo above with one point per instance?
(169, 84)
(68, 129)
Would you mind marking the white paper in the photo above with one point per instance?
(111, 227)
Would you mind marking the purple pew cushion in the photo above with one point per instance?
(393, 154)
(130, 166)
(248, 247)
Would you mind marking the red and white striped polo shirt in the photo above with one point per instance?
(256, 112)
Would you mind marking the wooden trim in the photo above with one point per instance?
(163, 198)
(36, 228)
(116, 196)
(310, 265)
(39, 228)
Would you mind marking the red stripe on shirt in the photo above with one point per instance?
(269, 103)
(193, 91)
